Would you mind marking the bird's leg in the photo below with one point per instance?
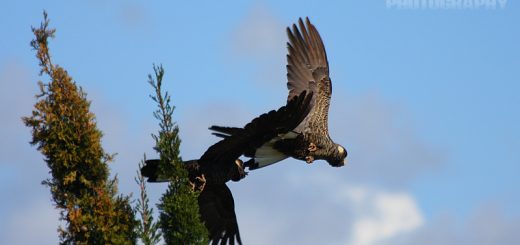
(309, 159)
(240, 168)
(312, 147)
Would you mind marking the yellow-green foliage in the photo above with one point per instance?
(65, 132)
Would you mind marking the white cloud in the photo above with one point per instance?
(382, 215)
(375, 214)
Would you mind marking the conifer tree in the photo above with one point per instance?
(179, 210)
(65, 132)
(147, 229)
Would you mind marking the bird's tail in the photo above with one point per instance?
(224, 132)
(151, 171)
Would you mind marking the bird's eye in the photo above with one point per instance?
(341, 150)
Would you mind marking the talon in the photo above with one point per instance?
(239, 163)
(200, 183)
(312, 147)
(309, 159)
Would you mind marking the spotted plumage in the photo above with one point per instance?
(307, 70)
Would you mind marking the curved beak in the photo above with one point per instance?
(343, 163)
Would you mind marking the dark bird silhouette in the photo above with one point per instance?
(307, 70)
(220, 163)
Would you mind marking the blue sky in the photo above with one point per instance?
(425, 100)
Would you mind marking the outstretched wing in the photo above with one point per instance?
(217, 210)
(308, 70)
(216, 206)
(216, 203)
(222, 155)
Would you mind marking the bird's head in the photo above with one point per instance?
(338, 156)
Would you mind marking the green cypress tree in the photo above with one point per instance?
(65, 132)
(179, 210)
(147, 229)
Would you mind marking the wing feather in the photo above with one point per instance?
(217, 210)
(308, 70)
(221, 156)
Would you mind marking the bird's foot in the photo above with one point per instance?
(312, 147)
(199, 183)
(309, 159)
(251, 164)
